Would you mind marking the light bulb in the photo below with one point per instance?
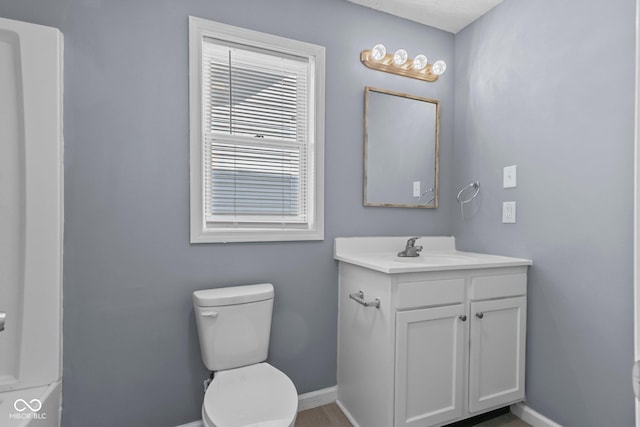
(438, 68)
(378, 52)
(419, 62)
(400, 57)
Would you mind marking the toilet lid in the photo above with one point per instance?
(254, 395)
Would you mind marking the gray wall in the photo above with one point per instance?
(549, 85)
(131, 355)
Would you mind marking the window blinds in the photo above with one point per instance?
(256, 150)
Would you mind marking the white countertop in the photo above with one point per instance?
(439, 254)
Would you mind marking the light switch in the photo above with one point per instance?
(416, 189)
(509, 177)
(509, 212)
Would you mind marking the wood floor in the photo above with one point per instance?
(331, 416)
(322, 416)
(507, 420)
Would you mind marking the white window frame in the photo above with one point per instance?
(207, 232)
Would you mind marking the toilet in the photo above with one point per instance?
(234, 324)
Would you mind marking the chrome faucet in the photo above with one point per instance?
(411, 250)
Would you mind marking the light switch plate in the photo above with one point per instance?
(509, 212)
(509, 177)
(416, 189)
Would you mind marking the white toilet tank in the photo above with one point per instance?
(234, 324)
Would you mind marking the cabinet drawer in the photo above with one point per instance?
(430, 293)
(500, 286)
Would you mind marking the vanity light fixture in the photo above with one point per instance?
(378, 52)
(400, 63)
(419, 62)
(400, 57)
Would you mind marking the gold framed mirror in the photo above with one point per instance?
(401, 150)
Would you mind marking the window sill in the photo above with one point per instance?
(237, 236)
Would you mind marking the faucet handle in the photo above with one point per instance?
(411, 250)
(412, 241)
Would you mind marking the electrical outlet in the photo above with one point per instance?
(509, 212)
(416, 189)
(509, 177)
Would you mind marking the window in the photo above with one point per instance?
(257, 136)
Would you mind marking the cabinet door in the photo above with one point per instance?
(497, 350)
(429, 365)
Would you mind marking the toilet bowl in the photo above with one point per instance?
(234, 326)
(255, 395)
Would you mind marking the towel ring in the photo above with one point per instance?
(476, 186)
(430, 190)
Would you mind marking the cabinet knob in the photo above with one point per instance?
(480, 315)
(463, 317)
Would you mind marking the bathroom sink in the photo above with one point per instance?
(437, 258)
(439, 254)
(432, 259)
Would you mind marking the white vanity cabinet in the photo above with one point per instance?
(496, 352)
(430, 347)
(444, 344)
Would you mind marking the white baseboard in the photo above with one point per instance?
(532, 417)
(347, 414)
(305, 401)
(317, 398)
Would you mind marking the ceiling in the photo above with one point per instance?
(447, 15)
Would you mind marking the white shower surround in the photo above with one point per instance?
(31, 222)
(636, 212)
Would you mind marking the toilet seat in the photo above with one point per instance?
(252, 396)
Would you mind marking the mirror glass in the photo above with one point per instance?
(400, 150)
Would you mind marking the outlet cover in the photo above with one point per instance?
(509, 212)
(416, 189)
(509, 177)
